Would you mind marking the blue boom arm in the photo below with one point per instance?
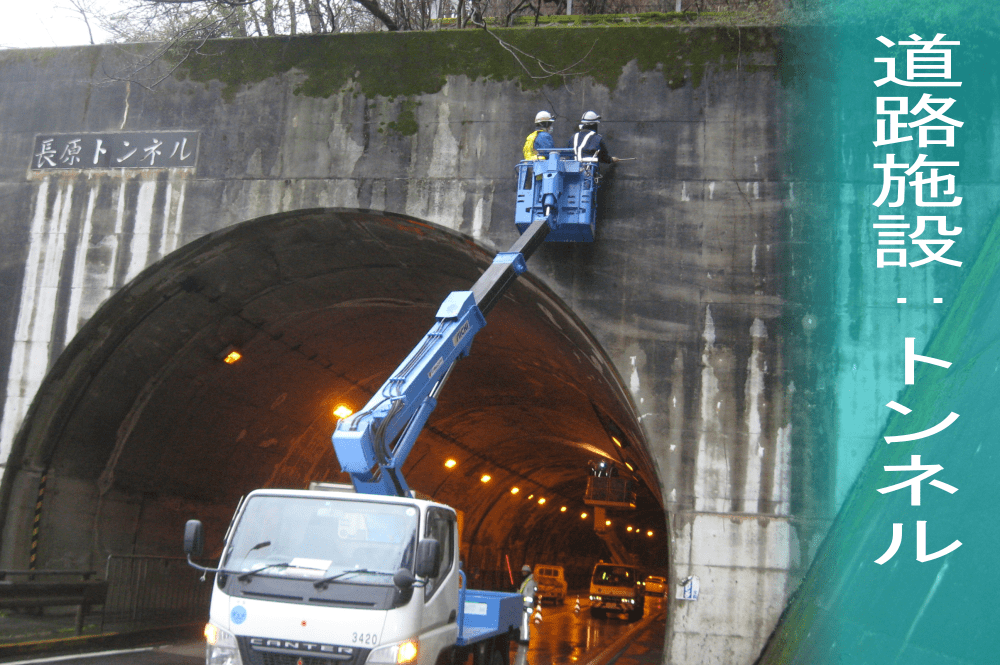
(373, 443)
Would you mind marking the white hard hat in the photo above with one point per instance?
(590, 118)
(543, 116)
(525, 569)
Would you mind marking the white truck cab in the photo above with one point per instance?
(616, 588)
(339, 578)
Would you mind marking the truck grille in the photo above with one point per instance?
(284, 659)
(260, 651)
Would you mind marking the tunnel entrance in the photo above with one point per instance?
(141, 424)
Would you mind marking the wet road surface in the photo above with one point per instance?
(564, 637)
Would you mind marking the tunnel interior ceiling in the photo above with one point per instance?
(323, 305)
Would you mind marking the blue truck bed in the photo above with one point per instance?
(486, 614)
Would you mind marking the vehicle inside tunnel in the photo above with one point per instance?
(218, 370)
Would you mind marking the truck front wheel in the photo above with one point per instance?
(496, 652)
(501, 650)
(446, 657)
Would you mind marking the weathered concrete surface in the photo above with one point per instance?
(683, 289)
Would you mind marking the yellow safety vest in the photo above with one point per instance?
(529, 146)
(528, 587)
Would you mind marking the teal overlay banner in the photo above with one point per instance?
(894, 148)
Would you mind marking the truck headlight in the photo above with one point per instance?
(397, 654)
(220, 647)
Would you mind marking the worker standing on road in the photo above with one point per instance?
(541, 139)
(528, 586)
(528, 590)
(587, 144)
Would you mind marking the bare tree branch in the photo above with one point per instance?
(80, 6)
(186, 43)
(376, 11)
(548, 71)
(522, 4)
(226, 3)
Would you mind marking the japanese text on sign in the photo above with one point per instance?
(928, 470)
(126, 150)
(926, 123)
(926, 182)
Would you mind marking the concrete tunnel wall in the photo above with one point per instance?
(683, 290)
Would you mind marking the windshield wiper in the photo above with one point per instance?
(326, 580)
(250, 573)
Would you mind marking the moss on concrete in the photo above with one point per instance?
(405, 123)
(408, 64)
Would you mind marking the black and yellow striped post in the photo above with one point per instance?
(32, 559)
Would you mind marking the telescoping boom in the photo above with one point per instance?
(556, 202)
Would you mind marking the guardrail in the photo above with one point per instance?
(33, 592)
(153, 591)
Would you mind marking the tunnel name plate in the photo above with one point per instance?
(115, 150)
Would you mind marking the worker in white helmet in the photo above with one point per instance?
(540, 140)
(587, 144)
(528, 591)
(528, 586)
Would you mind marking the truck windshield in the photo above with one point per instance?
(304, 537)
(614, 576)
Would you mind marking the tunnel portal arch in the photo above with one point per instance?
(139, 425)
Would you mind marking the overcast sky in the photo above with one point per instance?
(30, 23)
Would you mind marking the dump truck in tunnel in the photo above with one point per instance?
(373, 575)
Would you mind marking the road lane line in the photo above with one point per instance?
(615, 648)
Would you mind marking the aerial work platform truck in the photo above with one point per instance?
(369, 573)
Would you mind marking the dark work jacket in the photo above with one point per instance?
(588, 145)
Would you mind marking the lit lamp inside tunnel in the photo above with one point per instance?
(230, 355)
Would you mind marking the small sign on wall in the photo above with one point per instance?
(688, 588)
(121, 150)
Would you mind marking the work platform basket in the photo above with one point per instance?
(560, 176)
(610, 492)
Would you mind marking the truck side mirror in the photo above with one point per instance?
(428, 558)
(194, 538)
(403, 579)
